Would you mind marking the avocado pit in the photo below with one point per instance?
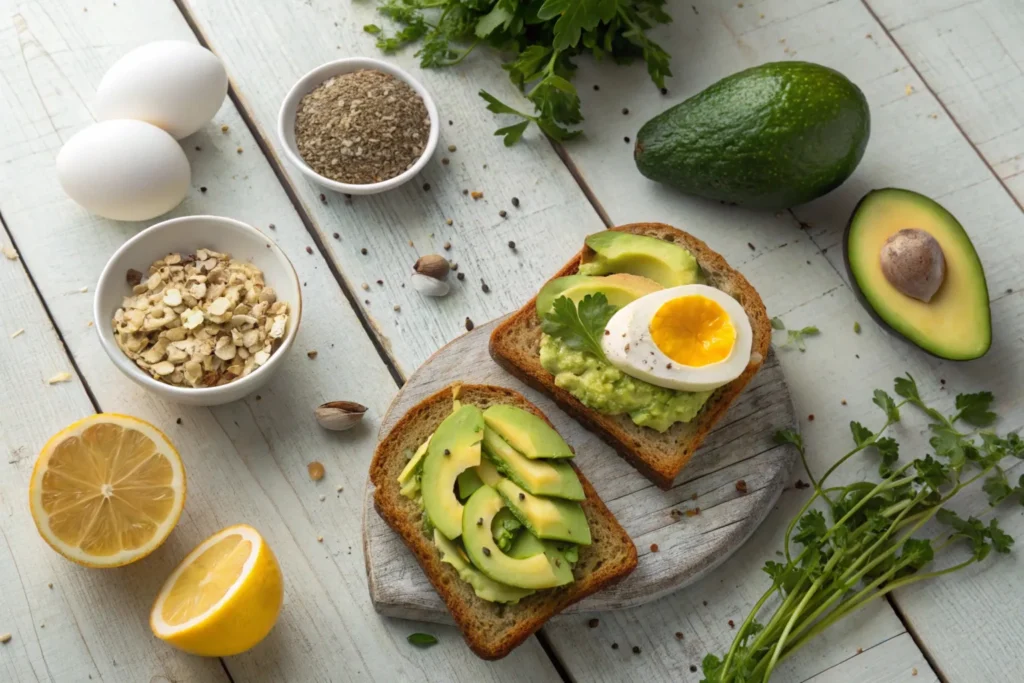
(913, 263)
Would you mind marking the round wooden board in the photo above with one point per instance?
(689, 545)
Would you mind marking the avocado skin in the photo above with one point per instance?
(769, 137)
(866, 304)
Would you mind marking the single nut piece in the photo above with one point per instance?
(429, 286)
(339, 415)
(913, 263)
(432, 265)
(316, 470)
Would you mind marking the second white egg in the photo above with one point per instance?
(174, 85)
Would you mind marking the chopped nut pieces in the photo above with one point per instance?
(5, 638)
(316, 470)
(10, 253)
(476, 195)
(59, 377)
(200, 321)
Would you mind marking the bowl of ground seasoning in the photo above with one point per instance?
(358, 126)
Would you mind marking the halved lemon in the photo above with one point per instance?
(107, 490)
(223, 598)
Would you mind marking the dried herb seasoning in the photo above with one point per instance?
(361, 127)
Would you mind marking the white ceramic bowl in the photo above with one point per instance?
(185, 235)
(309, 82)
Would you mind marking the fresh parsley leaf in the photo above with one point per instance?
(889, 451)
(997, 487)
(916, 553)
(796, 337)
(861, 434)
(948, 444)
(497, 106)
(784, 436)
(514, 132)
(422, 639)
(931, 472)
(811, 528)
(498, 16)
(528, 65)
(888, 406)
(970, 529)
(974, 409)
(1001, 541)
(579, 327)
(777, 323)
(372, 29)
(711, 667)
(574, 17)
(906, 387)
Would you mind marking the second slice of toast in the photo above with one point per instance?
(515, 346)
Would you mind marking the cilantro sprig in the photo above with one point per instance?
(579, 327)
(795, 338)
(545, 36)
(860, 541)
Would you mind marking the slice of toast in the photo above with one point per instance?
(492, 630)
(515, 346)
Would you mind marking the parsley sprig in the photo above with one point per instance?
(580, 327)
(544, 35)
(867, 540)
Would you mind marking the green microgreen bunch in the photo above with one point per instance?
(869, 540)
(541, 37)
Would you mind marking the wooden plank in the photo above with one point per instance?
(971, 55)
(801, 275)
(885, 663)
(66, 623)
(794, 279)
(740, 448)
(246, 461)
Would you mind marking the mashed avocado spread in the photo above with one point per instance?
(606, 389)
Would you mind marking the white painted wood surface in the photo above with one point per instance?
(740, 448)
(246, 461)
(52, 55)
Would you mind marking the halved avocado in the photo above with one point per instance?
(668, 264)
(454, 447)
(619, 289)
(536, 572)
(955, 323)
(539, 477)
(527, 433)
(547, 518)
(485, 588)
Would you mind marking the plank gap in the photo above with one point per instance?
(918, 641)
(574, 171)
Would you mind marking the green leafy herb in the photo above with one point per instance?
(796, 337)
(861, 541)
(543, 36)
(856, 327)
(422, 639)
(580, 328)
(777, 323)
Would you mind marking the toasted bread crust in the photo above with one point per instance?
(515, 345)
(491, 630)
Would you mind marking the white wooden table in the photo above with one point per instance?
(945, 79)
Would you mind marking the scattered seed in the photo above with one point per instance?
(340, 489)
(316, 470)
(203, 189)
(454, 265)
(480, 521)
(476, 194)
(447, 246)
(59, 378)
(860, 650)
(380, 282)
(178, 421)
(511, 245)
(654, 547)
(239, 150)
(515, 202)
(913, 671)
(693, 668)
(469, 323)
(50, 586)
(461, 276)
(426, 187)
(397, 308)
(679, 635)
(626, 139)
(444, 161)
(309, 250)
(465, 192)
(311, 355)
(693, 513)
(363, 251)
(17, 333)
(625, 111)
(615, 646)
(410, 243)
(319, 539)
(810, 418)
(448, 221)
(522, 496)
(5, 638)
(447, 452)
(323, 198)
(843, 402)
(450, 122)
(452, 148)
(664, 91)
(801, 484)
(503, 213)
(741, 486)
(693, 497)
(487, 551)
(484, 287)
(732, 624)
(597, 87)
(636, 649)
(224, 128)
(751, 245)
(198, 148)
(594, 623)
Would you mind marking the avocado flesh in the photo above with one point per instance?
(536, 572)
(539, 477)
(619, 289)
(410, 485)
(771, 137)
(527, 433)
(468, 482)
(547, 518)
(459, 435)
(664, 263)
(527, 545)
(956, 323)
(505, 528)
(484, 587)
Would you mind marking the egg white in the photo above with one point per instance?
(628, 345)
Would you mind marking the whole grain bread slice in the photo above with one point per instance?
(492, 630)
(515, 346)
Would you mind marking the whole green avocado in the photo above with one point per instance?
(770, 137)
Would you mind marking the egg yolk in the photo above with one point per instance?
(693, 331)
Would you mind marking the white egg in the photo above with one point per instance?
(172, 84)
(125, 170)
(632, 347)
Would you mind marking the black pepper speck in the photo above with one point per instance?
(511, 245)
(636, 649)
(461, 276)
(363, 251)
(515, 202)
(203, 189)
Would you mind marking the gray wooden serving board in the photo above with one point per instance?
(689, 545)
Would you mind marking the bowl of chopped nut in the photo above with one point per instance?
(358, 126)
(200, 310)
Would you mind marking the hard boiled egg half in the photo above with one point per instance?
(689, 338)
